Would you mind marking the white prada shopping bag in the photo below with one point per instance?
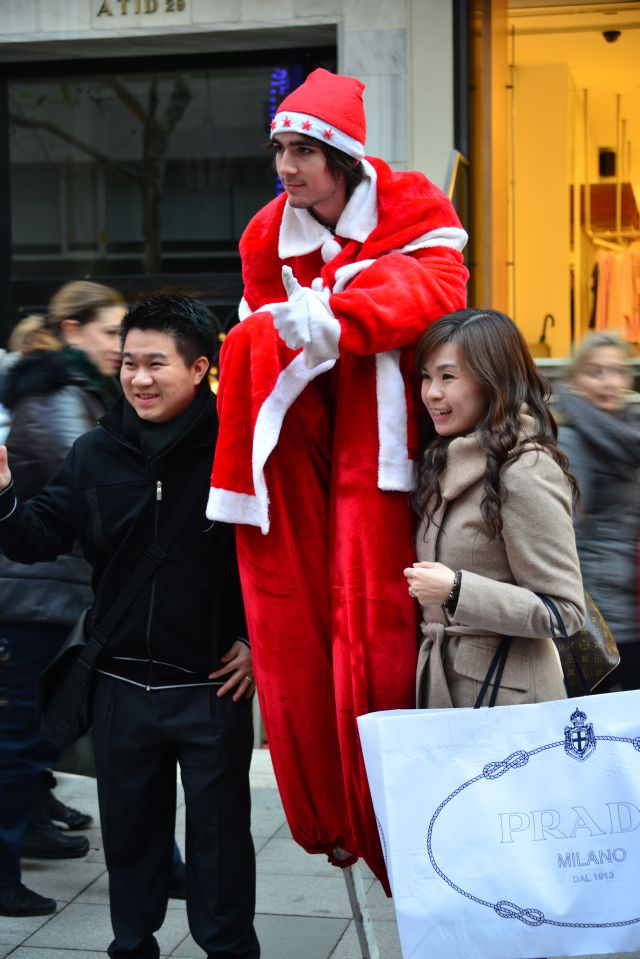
(510, 832)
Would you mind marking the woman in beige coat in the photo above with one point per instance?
(494, 500)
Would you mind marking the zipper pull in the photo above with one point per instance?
(158, 491)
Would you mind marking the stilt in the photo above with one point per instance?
(358, 900)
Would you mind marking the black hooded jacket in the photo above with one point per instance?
(53, 397)
(114, 491)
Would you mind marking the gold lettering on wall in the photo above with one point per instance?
(105, 8)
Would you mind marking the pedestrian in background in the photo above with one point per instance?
(30, 335)
(494, 502)
(601, 437)
(55, 391)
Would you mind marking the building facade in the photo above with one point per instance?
(132, 132)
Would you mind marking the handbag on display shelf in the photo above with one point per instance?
(587, 656)
(63, 690)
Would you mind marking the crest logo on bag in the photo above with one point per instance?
(579, 738)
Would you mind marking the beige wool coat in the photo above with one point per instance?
(536, 553)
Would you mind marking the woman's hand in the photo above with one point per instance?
(430, 583)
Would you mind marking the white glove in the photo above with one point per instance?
(291, 319)
(306, 321)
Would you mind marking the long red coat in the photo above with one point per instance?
(315, 460)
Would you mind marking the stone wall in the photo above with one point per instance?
(402, 51)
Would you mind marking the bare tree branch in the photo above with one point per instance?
(72, 140)
(127, 98)
(180, 100)
(156, 133)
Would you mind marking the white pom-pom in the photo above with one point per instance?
(329, 249)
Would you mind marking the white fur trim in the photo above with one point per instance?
(229, 507)
(360, 216)
(395, 470)
(310, 126)
(345, 274)
(300, 233)
(451, 236)
(289, 385)
(244, 310)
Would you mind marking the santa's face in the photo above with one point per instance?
(307, 179)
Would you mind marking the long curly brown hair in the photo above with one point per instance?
(492, 349)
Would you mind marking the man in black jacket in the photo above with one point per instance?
(175, 681)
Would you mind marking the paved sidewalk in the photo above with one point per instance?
(303, 908)
(302, 902)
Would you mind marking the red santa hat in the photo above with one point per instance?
(327, 107)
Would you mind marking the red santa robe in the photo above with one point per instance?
(315, 460)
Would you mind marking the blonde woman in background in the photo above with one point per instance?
(601, 437)
(61, 383)
(31, 335)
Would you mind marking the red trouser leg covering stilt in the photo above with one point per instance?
(374, 619)
(285, 582)
(332, 627)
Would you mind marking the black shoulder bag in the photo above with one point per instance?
(63, 691)
(587, 656)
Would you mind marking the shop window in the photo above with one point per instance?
(146, 172)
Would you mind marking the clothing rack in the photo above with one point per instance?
(611, 241)
(617, 239)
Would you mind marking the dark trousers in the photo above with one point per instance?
(25, 650)
(139, 737)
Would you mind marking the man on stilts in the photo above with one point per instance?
(317, 447)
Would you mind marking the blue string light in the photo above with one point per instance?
(279, 87)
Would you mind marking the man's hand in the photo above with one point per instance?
(291, 319)
(5, 475)
(239, 668)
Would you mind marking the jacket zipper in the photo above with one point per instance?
(152, 599)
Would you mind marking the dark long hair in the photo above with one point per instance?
(341, 164)
(492, 349)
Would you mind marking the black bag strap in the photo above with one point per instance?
(152, 558)
(563, 647)
(497, 666)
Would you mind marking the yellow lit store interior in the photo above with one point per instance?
(566, 248)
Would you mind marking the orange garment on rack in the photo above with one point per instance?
(618, 297)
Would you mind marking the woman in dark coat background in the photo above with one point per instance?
(56, 391)
(601, 436)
